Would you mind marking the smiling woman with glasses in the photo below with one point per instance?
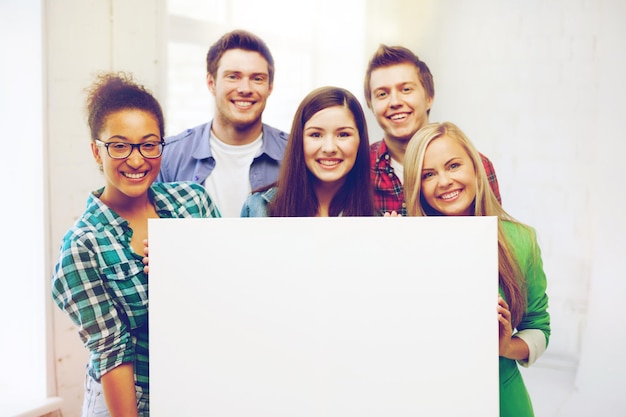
(99, 279)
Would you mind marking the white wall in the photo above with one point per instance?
(23, 308)
(602, 375)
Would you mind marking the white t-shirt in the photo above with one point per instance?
(398, 169)
(229, 182)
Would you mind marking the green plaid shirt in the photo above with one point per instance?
(99, 280)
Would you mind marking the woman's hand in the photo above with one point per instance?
(146, 268)
(392, 214)
(504, 326)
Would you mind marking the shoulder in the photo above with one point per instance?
(263, 197)
(378, 153)
(180, 187)
(274, 142)
(256, 203)
(521, 238)
(82, 232)
(377, 150)
(486, 162)
(517, 231)
(376, 146)
(275, 136)
(181, 193)
(186, 136)
(275, 133)
(96, 217)
(91, 230)
(183, 199)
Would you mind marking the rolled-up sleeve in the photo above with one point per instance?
(78, 288)
(536, 317)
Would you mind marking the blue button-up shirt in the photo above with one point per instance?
(187, 157)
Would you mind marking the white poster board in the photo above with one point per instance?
(323, 317)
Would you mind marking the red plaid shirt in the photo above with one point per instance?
(388, 192)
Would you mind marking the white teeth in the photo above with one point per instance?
(243, 103)
(449, 196)
(399, 116)
(328, 163)
(134, 176)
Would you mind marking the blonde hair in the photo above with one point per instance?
(511, 278)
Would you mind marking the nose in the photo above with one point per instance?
(243, 87)
(135, 159)
(329, 146)
(444, 179)
(394, 99)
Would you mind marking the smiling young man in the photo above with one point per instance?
(234, 153)
(399, 89)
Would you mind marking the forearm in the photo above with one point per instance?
(516, 350)
(119, 391)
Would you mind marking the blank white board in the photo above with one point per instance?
(323, 317)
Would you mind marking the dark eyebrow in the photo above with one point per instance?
(238, 72)
(339, 128)
(149, 135)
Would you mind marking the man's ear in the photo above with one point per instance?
(210, 82)
(429, 102)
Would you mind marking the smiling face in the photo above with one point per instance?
(241, 88)
(331, 142)
(448, 178)
(399, 101)
(128, 178)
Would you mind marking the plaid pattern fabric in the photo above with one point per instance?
(491, 176)
(388, 191)
(99, 280)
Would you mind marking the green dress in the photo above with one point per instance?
(514, 398)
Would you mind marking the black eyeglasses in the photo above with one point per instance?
(122, 150)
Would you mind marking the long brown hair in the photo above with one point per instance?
(295, 196)
(511, 278)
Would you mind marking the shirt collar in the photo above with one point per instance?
(103, 216)
(271, 144)
(382, 154)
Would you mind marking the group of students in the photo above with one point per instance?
(235, 165)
